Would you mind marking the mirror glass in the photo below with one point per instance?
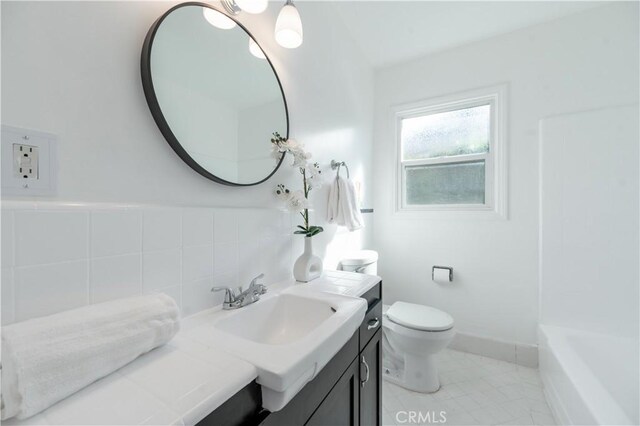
(217, 97)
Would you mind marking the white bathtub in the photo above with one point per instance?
(589, 378)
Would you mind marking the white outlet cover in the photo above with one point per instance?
(46, 181)
(25, 161)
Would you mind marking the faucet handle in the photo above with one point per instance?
(255, 280)
(229, 295)
(257, 287)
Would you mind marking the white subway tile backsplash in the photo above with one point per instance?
(43, 237)
(197, 263)
(7, 239)
(7, 296)
(251, 224)
(161, 229)
(197, 227)
(227, 280)
(116, 232)
(47, 289)
(272, 225)
(161, 269)
(286, 219)
(226, 225)
(249, 258)
(197, 296)
(276, 258)
(175, 292)
(64, 256)
(115, 277)
(226, 258)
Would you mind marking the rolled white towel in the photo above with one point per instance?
(46, 359)
(343, 207)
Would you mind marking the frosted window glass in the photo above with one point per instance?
(464, 131)
(452, 183)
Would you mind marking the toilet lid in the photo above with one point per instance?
(360, 258)
(419, 317)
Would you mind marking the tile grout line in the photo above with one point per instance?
(13, 266)
(488, 411)
(140, 214)
(89, 259)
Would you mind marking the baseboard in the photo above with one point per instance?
(518, 353)
(554, 401)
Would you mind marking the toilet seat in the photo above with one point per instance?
(419, 317)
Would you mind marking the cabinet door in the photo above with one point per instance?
(340, 407)
(371, 382)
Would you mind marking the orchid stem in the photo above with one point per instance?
(306, 195)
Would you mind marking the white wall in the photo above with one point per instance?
(580, 62)
(72, 69)
(589, 222)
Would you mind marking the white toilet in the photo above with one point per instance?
(411, 334)
(361, 261)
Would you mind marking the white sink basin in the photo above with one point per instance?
(288, 336)
(278, 320)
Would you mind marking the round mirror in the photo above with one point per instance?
(214, 94)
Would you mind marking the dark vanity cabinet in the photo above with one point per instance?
(346, 392)
(371, 382)
(340, 406)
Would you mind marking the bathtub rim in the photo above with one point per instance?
(577, 384)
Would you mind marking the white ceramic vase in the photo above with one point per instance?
(308, 266)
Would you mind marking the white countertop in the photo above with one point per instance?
(179, 383)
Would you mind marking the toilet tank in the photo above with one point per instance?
(361, 261)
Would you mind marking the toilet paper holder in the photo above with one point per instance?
(448, 268)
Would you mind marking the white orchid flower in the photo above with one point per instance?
(314, 173)
(292, 145)
(300, 158)
(297, 202)
(282, 193)
(277, 152)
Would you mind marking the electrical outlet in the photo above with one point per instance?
(25, 161)
(29, 162)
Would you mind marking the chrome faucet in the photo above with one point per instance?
(234, 299)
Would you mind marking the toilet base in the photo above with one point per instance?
(420, 374)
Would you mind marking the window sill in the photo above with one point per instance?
(451, 213)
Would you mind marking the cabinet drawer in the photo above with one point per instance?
(373, 296)
(372, 322)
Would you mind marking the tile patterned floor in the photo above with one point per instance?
(475, 391)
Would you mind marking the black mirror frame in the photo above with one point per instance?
(156, 111)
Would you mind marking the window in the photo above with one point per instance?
(450, 153)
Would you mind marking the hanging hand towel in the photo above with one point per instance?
(343, 207)
(46, 359)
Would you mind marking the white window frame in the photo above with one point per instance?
(495, 159)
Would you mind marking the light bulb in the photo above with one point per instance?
(217, 19)
(289, 27)
(253, 6)
(255, 49)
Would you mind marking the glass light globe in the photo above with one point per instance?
(253, 6)
(289, 27)
(255, 49)
(217, 19)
